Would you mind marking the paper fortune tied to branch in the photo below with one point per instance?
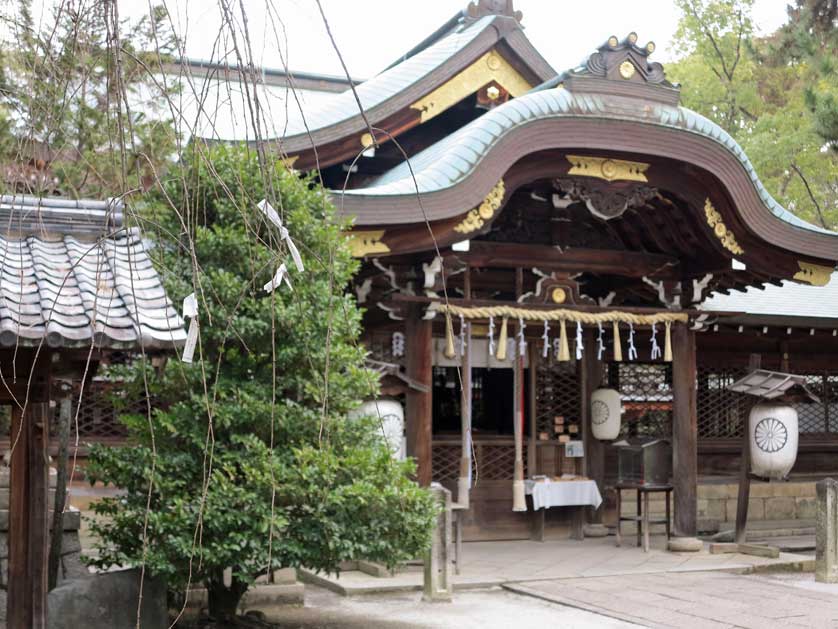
(190, 309)
(268, 210)
(281, 274)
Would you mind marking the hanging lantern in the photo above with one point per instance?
(606, 408)
(391, 415)
(773, 430)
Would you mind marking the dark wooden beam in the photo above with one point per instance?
(601, 261)
(684, 430)
(419, 404)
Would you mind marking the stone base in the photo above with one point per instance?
(260, 596)
(684, 545)
(595, 530)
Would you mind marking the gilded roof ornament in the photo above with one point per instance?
(813, 274)
(722, 232)
(607, 168)
(365, 242)
(477, 217)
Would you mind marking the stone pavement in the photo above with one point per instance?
(487, 564)
(484, 609)
(705, 600)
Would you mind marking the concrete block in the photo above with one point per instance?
(780, 508)
(807, 508)
(756, 509)
(719, 548)
(273, 594)
(716, 491)
(762, 490)
(759, 550)
(793, 490)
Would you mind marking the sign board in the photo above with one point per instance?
(574, 449)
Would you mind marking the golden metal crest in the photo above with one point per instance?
(559, 295)
(627, 69)
(725, 236)
(363, 243)
(477, 217)
(813, 274)
(490, 67)
(607, 168)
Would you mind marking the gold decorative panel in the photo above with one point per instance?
(477, 217)
(725, 236)
(490, 67)
(813, 274)
(607, 168)
(363, 243)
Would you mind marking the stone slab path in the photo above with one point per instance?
(700, 600)
(485, 609)
(487, 564)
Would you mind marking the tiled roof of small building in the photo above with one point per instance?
(788, 300)
(70, 274)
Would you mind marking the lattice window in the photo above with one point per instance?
(97, 418)
(646, 391)
(557, 395)
(818, 418)
(721, 413)
(492, 460)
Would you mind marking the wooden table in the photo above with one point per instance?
(569, 493)
(642, 518)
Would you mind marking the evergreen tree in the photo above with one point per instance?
(252, 462)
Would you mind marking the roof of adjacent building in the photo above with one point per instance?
(71, 274)
(322, 116)
(788, 300)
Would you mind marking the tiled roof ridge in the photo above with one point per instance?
(39, 215)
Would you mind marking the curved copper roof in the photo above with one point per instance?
(456, 173)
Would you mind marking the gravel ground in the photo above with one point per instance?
(483, 609)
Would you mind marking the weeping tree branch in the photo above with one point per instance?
(811, 195)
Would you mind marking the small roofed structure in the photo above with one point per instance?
(75, 285)
(771, 385)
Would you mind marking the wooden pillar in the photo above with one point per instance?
(684, 430)
(590, 378)
(532, 445)
(419, 407)
(26, 606)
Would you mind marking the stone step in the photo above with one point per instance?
(794, 544)
(760, 529)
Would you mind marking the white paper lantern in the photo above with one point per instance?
(605, 414)
(774, 434)
(391, 415)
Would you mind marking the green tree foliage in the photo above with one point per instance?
(256, 462)
(83, 108)
(769, 95)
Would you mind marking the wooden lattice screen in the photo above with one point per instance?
(557, 395)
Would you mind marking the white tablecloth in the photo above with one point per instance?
(563, 493)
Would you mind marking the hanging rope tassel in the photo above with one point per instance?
(618, 347)
(667, 345)
(579, 345)
(450, 352)
(564, 350)
(545, 350)
(502, 340)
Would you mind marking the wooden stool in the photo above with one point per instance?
(642, 518)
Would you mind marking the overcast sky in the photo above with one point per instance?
(373, 33)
